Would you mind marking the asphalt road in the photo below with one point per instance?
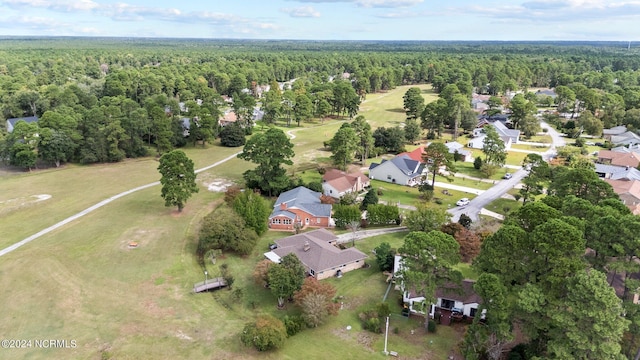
(473, 209)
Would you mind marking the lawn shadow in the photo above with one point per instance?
(396, 110)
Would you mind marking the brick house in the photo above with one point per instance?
(299, 206)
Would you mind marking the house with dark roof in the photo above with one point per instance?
(336, 183)
(459, 298)
(401, 169)
(11, 123)
(300, 207)
(318, 253)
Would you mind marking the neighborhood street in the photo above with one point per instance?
(473, 209)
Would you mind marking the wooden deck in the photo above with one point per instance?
(210, 284)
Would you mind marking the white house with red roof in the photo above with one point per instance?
(336, 183)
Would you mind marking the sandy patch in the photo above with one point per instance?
(140, 236)
(9, 205)
(219, 185)
(183, 336)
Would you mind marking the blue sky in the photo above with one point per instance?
(328, 19)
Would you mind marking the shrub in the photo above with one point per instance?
(294, 324)
(373, 325)
(431, 327)
(266, 333)
(477, 163)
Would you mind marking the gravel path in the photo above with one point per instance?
(95, 207)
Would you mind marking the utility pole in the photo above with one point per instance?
(386, 336)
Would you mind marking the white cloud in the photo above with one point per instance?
(303, 11)
(369, 3)
(57, 5)
(387, 3)
(556, 10)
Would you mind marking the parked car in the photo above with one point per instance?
(463, 202)
(507, 176)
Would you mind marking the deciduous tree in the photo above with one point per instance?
(316, 300)
(426, 218)
(270, 150)
(437, 156)
(178, 178)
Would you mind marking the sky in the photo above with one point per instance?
(550, 20)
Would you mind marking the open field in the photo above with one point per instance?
(82, 282)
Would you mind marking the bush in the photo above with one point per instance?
(266, 333)
(477, 163)
(373, 325)
(431, 327)
(315, 186)
(294, 324)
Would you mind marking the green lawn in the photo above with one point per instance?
(82, 282)
(503, 206)
(538, 148)
(515, 158)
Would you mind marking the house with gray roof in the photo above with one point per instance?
(402, 170)
(300, 207)
(508, 136)
(455, 146)
(318, 253)
(11, 123)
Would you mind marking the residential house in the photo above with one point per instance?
(617, 158)
(627, 149)
(415, 154)
(627, 138)
(228, 117)
(457, 298)
(508, 136)
(401, 169)
(11, 123)
(614, 131)
(300, 207)
(628, 191)
(479, 102)
(336, 183)
(455, 146)
(318, 253)
(460, 298)
(547, 92)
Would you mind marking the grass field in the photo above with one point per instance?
(82, 282)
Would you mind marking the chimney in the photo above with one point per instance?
(306, 246)
(283, 206)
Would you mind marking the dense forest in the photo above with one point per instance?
(105, 99)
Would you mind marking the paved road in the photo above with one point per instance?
(95, 207)
(473, 209)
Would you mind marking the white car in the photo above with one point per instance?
(463, 202)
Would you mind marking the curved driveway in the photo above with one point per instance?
(95, 207)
